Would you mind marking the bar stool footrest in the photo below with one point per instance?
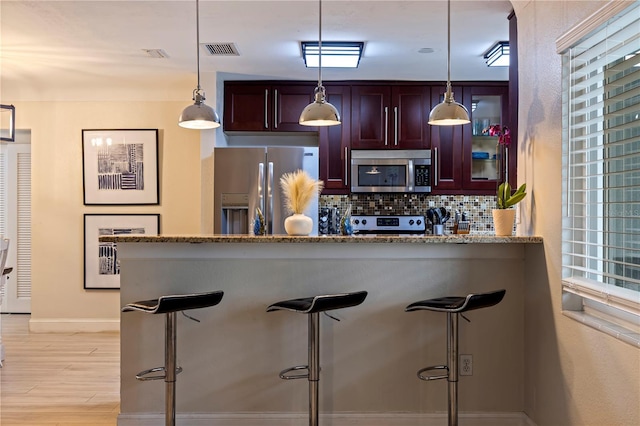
(143, 376)
(283, 374)
(435, 376)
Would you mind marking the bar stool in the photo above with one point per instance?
(453, 306)
(170, 305)
(313, 306)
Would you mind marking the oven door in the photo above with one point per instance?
(381, 175)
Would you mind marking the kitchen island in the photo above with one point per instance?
(369, 359)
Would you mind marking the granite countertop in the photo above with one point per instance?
(413, 239)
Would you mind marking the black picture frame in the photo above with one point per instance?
(101, 265)
(120, 167)
(8, 119)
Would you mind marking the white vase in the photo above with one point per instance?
(503, 221)
(298, 224)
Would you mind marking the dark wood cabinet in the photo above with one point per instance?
(446, 150)
(334, 144)
(466, 160)
(390, 116)
(266, 106)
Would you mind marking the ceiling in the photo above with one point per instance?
(45, 44)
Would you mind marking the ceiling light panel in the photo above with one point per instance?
(335, 54)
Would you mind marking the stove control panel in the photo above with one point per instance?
(388, 224)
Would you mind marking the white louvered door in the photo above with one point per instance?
(15, 224)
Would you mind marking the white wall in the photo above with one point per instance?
(574, 374)
(58, 299)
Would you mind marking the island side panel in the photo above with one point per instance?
(231, 359)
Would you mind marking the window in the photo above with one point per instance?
(601, 176)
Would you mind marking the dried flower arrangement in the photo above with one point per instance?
(299, 189)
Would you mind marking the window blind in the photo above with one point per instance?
(601, 164)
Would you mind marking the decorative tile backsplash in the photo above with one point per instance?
(477, 207)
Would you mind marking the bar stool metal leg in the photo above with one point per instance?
(314, 367)
(452, 379)
(170, 368)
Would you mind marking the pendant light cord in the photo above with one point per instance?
(319, 43)
(449, 95)
(198, 41)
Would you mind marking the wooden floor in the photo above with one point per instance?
(58, 379)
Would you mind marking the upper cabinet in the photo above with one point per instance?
(469, 159)
(334, 145)
(266, 106)
(390, 116)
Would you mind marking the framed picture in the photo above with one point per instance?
(101, 265)
(7, 123)
(120, 166)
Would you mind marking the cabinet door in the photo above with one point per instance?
(247, 107)
(334, 144)
(446, 148)
(411, 107)
(485, 160)
(289, 101)
(370, 116)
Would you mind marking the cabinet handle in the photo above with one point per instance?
(435, 166)
(275, 108)
(346, 166)
(395, 113)
(386, 126)
(266, 108)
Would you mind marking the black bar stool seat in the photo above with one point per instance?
(453, 306)
(175, 303)
(313, 306)
(459, 304)
(169, 306)
(328, 302)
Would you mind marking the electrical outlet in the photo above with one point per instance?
(466, 365)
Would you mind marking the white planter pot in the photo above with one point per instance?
(503, 221)
(298, 224)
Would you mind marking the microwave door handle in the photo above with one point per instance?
(435, 166)
(395, 132)
(386, 126)
(269, 219)
(411, 181)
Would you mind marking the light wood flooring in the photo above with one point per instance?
(58, 379)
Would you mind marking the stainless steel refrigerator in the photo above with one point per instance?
(249, 178)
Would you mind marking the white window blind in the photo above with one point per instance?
(601, 164)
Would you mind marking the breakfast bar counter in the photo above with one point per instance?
(369, 359)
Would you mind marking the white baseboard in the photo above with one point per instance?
(76, 325)
(347, 419)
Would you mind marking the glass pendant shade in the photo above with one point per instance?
(199, 116)
(319, 112)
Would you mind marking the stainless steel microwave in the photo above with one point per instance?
(402, 170)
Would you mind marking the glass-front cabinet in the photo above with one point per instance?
(488, 139)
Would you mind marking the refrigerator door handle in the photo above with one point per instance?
(261, 188)
(269, 218)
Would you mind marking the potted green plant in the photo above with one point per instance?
(504, 215)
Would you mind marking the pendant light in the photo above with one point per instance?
(319, 112)
(448, 112)
(198, 116)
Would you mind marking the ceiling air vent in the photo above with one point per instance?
(221, 49)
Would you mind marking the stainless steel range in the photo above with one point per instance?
(388, 224)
